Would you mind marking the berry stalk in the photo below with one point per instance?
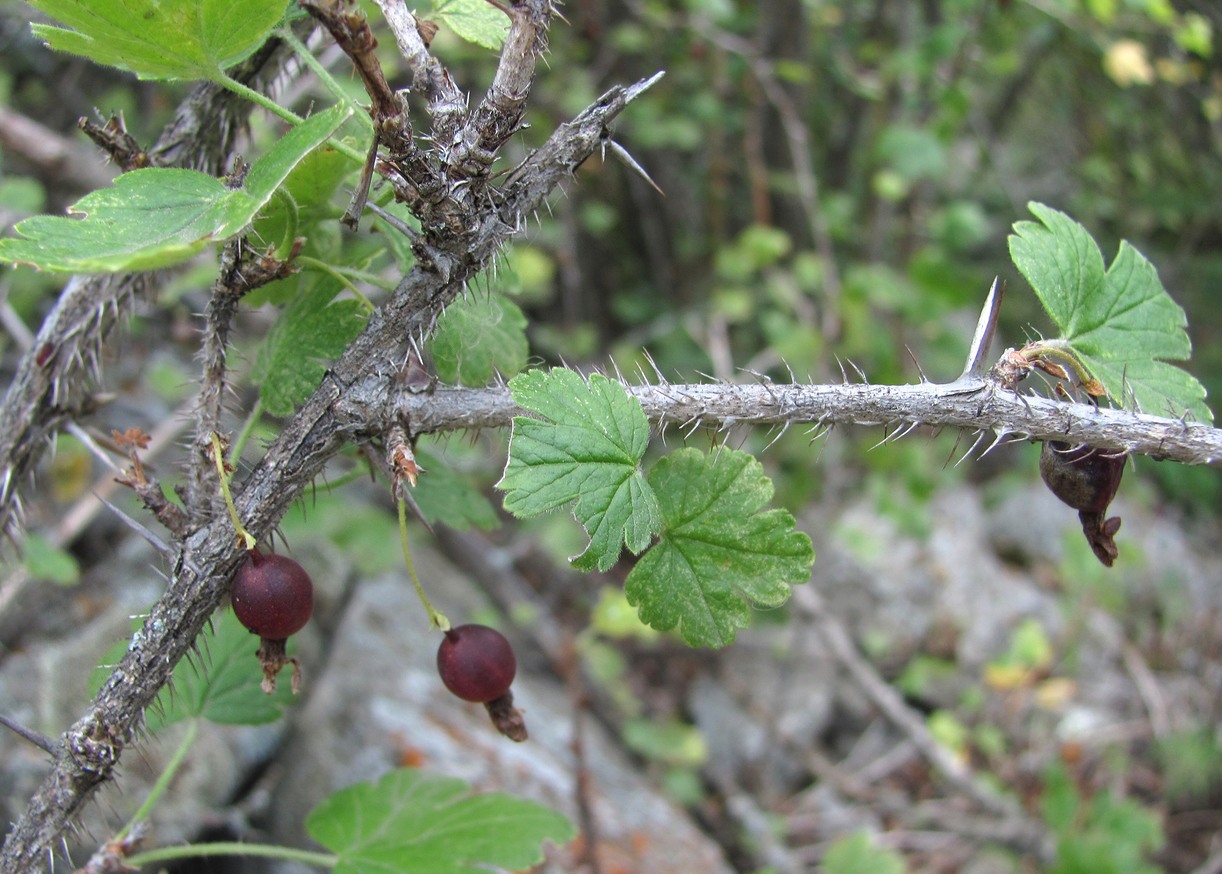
(218, 458)
(436, 618)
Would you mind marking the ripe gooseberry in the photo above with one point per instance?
(272, 595)
(476, 663)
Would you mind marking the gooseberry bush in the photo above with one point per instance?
(426, 352)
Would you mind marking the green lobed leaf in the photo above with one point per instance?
(585, 451)
(302, 207)
(476, 21)
(160, 216)
(855, 853)
(313, 330)
(1100, 833)
(160, 39)
(1119, 322)
(424, 824)
(718, 552)
(443, 495)
(44, 560)
(477, 338)
(223, 684)
(220, 682)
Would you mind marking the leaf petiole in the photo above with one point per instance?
(292, 215)
(227, 81)
(248, 427)
(341, 276)
(163, 780)
(286, 35)
(1062, 352)
(232, 848)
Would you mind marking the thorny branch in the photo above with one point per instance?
(242, 270)
(88, 753)
(981, 400)
(985, 408)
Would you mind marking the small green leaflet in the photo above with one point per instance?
(587, 450)
(161, 39)
(159, 216)
(313, 330)
(221, 685)
(476, 21)
(220, 682)
(413, 823)
(444, 495)
(855, 853)
(717, 551)
(479, 338)
(1120, 323)
(44, 560)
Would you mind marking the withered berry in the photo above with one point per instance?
(1086, 479)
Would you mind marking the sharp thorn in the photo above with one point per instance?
(780, 434)
(844, 375)
(986, 328)
(971, 449)
(912, 355)
(622, 153)
(997, 441)
(156, 542)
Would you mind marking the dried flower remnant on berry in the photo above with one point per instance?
(273, 597)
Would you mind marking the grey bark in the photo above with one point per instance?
(979, 406)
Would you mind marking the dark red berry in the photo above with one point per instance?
(476, 663)
(272, 595)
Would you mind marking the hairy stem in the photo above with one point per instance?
(164, 779)
(437, 619)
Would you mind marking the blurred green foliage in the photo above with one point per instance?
(1098, 833)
